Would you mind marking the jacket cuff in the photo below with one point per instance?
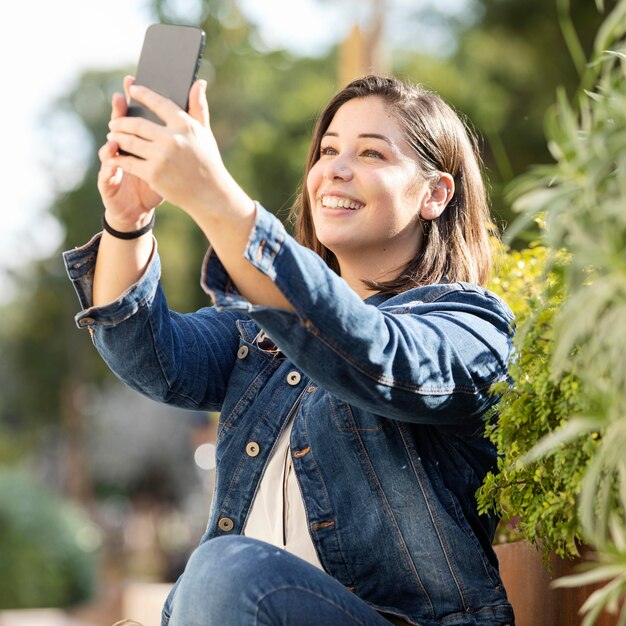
(80, 265)
(264, 244)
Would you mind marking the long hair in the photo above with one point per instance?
(455, 245)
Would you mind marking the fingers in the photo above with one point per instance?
(162, 107)
(136, 126)
(109, 173)
(198, 106)
(134, 145)
(118, 106)
(108, 150)
(128, 82)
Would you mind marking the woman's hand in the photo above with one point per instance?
(179, 160)
(128, 200)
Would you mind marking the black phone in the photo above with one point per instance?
(168, 64)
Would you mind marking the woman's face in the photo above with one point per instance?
(366, 190)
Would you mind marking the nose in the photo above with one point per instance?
(338, 169)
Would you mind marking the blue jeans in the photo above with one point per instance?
(240, 581)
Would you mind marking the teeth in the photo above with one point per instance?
(343, 203)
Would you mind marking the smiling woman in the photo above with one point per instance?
(352, 368)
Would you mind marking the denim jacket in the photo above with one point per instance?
(388, 397)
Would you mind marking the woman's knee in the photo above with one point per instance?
(223, 580)
(231, 564)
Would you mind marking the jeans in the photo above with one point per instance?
(240, 581)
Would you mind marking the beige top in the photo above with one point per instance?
(277, 515)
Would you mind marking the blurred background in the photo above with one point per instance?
(104, 493)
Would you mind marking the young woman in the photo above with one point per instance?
(352, 367)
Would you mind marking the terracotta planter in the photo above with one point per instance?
(527, 582)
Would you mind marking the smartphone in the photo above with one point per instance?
(168, 64)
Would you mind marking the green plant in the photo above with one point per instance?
(579, 377)
(537, 501)
(46, 547)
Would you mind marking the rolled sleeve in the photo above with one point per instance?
(429, 354)
(80, 266)
(265, 242)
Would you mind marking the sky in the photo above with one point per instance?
(45, 46)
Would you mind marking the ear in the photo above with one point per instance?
(437, 199)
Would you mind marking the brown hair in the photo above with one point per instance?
(456, 244)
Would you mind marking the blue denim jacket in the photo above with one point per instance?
(389, 396)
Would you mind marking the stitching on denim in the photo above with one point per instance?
(144, 302)
(168, 382)
(372, 473)
(462, 524)
(242, 462)
(244, 401)
(336, 407)
(430, 513)
(493, 609)
(243, 326)
(312, 460)
(390, 382)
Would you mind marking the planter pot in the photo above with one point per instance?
(527, 582)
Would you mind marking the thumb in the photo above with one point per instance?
(198, 105)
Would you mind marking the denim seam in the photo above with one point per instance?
(354, 428)
(328, 500)
(238, 469)
(170, 391)
(372, 473)
(244, 401)
(245, 334)
(135, 307)
(462, 525)
(431, 515)
(392, 383)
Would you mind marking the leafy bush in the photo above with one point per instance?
(537, 500)
(562, 429)
(46, 559)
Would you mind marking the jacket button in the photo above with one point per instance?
(293, 378)
(226, 524)
(85, 321)
(242, 353)
(252, 449)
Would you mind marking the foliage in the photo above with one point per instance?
(583, 198)
(537, 501)
(262, 107)
(46, 547)
(502, 74)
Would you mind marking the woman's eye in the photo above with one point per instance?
(327, 150)
(372, 154)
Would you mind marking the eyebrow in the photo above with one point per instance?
(364, 136)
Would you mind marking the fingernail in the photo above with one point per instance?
(203, 85)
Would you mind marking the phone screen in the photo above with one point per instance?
(168, 64)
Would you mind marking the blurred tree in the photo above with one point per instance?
(263, 107)
(47, 547)
(509, 58)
